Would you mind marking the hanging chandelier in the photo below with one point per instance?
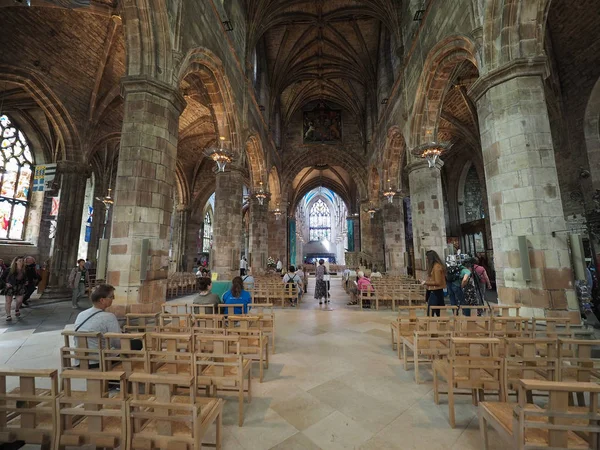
(371, 210)
(220, 155)
(431, 151)
(389, 193)
(107, 200)
(260, 194)
(277, 212)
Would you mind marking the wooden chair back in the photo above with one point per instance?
(175, 308)
(510, 327)
(444, 310)
(230, 309)
(207, 321)
(202, 309)
(472, 327)
(475, 364)
(506, 310)
(170, 353)
(92, 416)
(28, 412)
(577, 360)
(141, 323)
(175, 323)
(528, 358)
(81, 350)
(125, 358)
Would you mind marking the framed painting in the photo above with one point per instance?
(322, 124)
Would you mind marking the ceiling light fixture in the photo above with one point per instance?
(389, 193)
(260, 194)
(220, 155)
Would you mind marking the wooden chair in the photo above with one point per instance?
(472, 327)
(404, 325)
(84, 351)
(170, 353)
(367, 296)
(123, 358)
(577, 363)
(224, 368)
(525, 425)
(92, 416)
(141, 323)
(254, 346)
(161, 418)
(229, 309)
(175, 308)
(266, 320)
(426, 346)
(175, 323)
(207, 321)
(552, 327)
(532, 359)
(202, 309)
(510, 327)
(384, 294)
(470, 370)
(28, 412)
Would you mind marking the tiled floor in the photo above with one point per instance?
(334, 383)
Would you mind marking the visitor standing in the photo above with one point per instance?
(320, 284)
(205, 296)
(290, 279)
(237, 295)
(33, 278)
(279, 266)
(243, 266)
(79, 279)
(303, 277)
(435, 282)
(483, 281)
(455, 275)
(248, 279)
(16, 285)
(88, 264)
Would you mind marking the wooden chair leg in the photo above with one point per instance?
(451, 403)
(267, 356)
(416, 359)
(436, 392)
(241, 403)
(484, 431)
(261, 368)
(404, 356)
(219, 436)
(249, 384)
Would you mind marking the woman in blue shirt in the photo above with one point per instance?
(237, 296)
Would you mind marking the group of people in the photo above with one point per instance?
(465, 282)
(18, 282)
(363, 283)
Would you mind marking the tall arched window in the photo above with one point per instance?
(319, 221)
(15, 180)
(207, 237)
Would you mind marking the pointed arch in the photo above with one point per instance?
(207, 66)
(274, 187)
(438, 68)
(393, 157)
(256, 160)
(374, 184)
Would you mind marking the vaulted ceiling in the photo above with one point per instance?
(318, 49)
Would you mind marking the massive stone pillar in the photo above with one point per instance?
(523, 189)
(144, 194)
(427, 204)
(180, 238)
(73, 176)
(366, 238)
(278, 238)
(393, 234)
(227, 227)
(259, 235)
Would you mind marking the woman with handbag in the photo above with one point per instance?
(435, 283)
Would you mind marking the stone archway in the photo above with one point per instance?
(256, 161)
(591, 128)
(394, 157)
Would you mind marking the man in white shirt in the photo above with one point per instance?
(243, 266)
(293, 279)
(279, 266)
(248, 279)
(97, 320)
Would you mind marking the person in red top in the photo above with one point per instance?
(484, 280)
(364, 284)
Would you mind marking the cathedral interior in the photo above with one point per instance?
(153, 137)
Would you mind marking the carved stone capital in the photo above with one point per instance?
(421, 163)
(524, 67)
(143, 84)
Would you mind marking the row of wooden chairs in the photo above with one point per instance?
(181, 283)
(394, 295)
(217, 362)
(275, 293)
(147, 411)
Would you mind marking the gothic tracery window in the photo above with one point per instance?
(319, 221)
(15, 179)
(207, 236)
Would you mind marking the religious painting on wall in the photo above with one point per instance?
(322, 123)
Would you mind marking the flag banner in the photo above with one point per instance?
(55, 206)
(43, 177)
(90, 214)
(88, 234)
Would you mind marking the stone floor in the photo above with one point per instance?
(334, 383)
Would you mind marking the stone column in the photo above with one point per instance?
(227, 227)
(179, 241)
(278, 237)
(73, 176)
(393, 234)
(259, 235)
(427, 205)
(523, 189)
(144, 194)
(193, 237)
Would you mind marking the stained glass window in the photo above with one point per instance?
(16, 168)
(207, 237)
(319, 221)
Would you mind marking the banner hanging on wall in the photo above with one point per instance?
(43, 177)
